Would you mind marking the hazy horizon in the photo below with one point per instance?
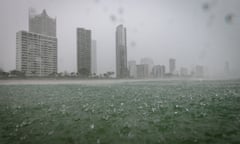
(203, 32)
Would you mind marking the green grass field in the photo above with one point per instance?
(165, 112)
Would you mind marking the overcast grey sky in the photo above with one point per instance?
(205, 32)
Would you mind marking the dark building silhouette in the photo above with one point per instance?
(42, 23)
(121, 52)
(172, 66)
(84, 42)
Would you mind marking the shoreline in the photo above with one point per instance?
(90, 81)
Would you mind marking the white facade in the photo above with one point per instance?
(36, 54)
(132, 69)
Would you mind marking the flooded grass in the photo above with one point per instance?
(130, 112)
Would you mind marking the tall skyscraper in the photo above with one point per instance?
(132, 69)
(36, 50)
(121, 52)
(84, 51)
(94, 56)
(172, 66)
(36, 54)
(42, 23)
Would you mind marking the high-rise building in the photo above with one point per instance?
(36, 54)
(183, 71)
(94, 56)
(132, 69)
(158, 71)
(226, 68)
(149, 62)
(36, 50)
(163, 69)
(142, 71)
(172, 66)
(84, 51)
(121, 52)
(199, 71)
(42, 23)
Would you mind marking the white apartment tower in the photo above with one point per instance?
(36, 54)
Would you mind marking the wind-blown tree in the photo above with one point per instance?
(17, 73)
(84, 72)
(108, 74)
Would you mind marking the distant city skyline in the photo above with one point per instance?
(184, 30)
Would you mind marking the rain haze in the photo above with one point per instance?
(194, 32)
(120, 71)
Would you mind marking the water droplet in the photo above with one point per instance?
(98, 141)
(153, 109)
(51, 132)
(113, 18)
(92, 126)
(206, 6)
(229, 18)
(120, 10)
(23, 137)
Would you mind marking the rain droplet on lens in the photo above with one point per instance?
(92, 126)
(229, 18)
(113, 18)
(96, 1)
(120, 10)
(206, 6)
